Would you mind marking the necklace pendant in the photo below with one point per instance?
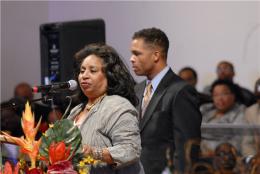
(90, 106)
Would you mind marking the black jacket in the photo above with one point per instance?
(172, 117)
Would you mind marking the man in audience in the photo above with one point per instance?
(189, 75)
(225, 71)
(22, 93)
(23, 90)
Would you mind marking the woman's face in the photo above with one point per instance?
(223, 98)
(92, 79)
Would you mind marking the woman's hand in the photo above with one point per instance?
(97, 153)
(87, 150)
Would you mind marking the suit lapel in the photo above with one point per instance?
(158, 93)
(151, 107)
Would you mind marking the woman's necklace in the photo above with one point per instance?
(90, 106)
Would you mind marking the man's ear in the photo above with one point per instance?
(156, 55)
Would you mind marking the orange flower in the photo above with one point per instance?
(28, 145)
(58, 152)
(28, 123)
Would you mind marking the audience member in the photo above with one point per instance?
(251, 144)
(190, 75)
(23, 90)
(22, 93)
(225, 109)
(225, 159)
(172, 116)
(11, 124)
(225, 71)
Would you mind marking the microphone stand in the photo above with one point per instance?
(48, 98)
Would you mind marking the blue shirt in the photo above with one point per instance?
(157, 79)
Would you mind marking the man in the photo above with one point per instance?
(190, 75)
(22, 94)
(225, 71)
(171, 117)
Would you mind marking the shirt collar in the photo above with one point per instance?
(156, 80)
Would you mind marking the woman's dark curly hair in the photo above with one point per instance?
(120, 81)
(234, 89)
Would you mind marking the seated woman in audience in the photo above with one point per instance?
(225, 109)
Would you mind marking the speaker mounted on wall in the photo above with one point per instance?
(59, 42)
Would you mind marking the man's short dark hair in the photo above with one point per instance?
(227, 63)
(155, 37)
(187, 68)
(234, 89)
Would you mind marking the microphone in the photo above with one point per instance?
(71, 85)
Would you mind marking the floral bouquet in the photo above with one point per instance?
(60, 144)
(59, 150)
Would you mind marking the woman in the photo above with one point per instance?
(106, 116)
(225, 110)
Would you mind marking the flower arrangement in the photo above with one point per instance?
(59, 150)
(28, 144)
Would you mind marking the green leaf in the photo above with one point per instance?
(62, 130)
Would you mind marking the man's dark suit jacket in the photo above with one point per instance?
(171, 118)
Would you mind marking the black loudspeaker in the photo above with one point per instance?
(60, 41)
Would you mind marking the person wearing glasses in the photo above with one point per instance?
(225, 110)
(225, 71)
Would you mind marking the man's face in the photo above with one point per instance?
(142, 58)
(24, 91)
(225, 71)
(188, 76)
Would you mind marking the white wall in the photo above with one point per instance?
(20, 48)
(201, 34)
